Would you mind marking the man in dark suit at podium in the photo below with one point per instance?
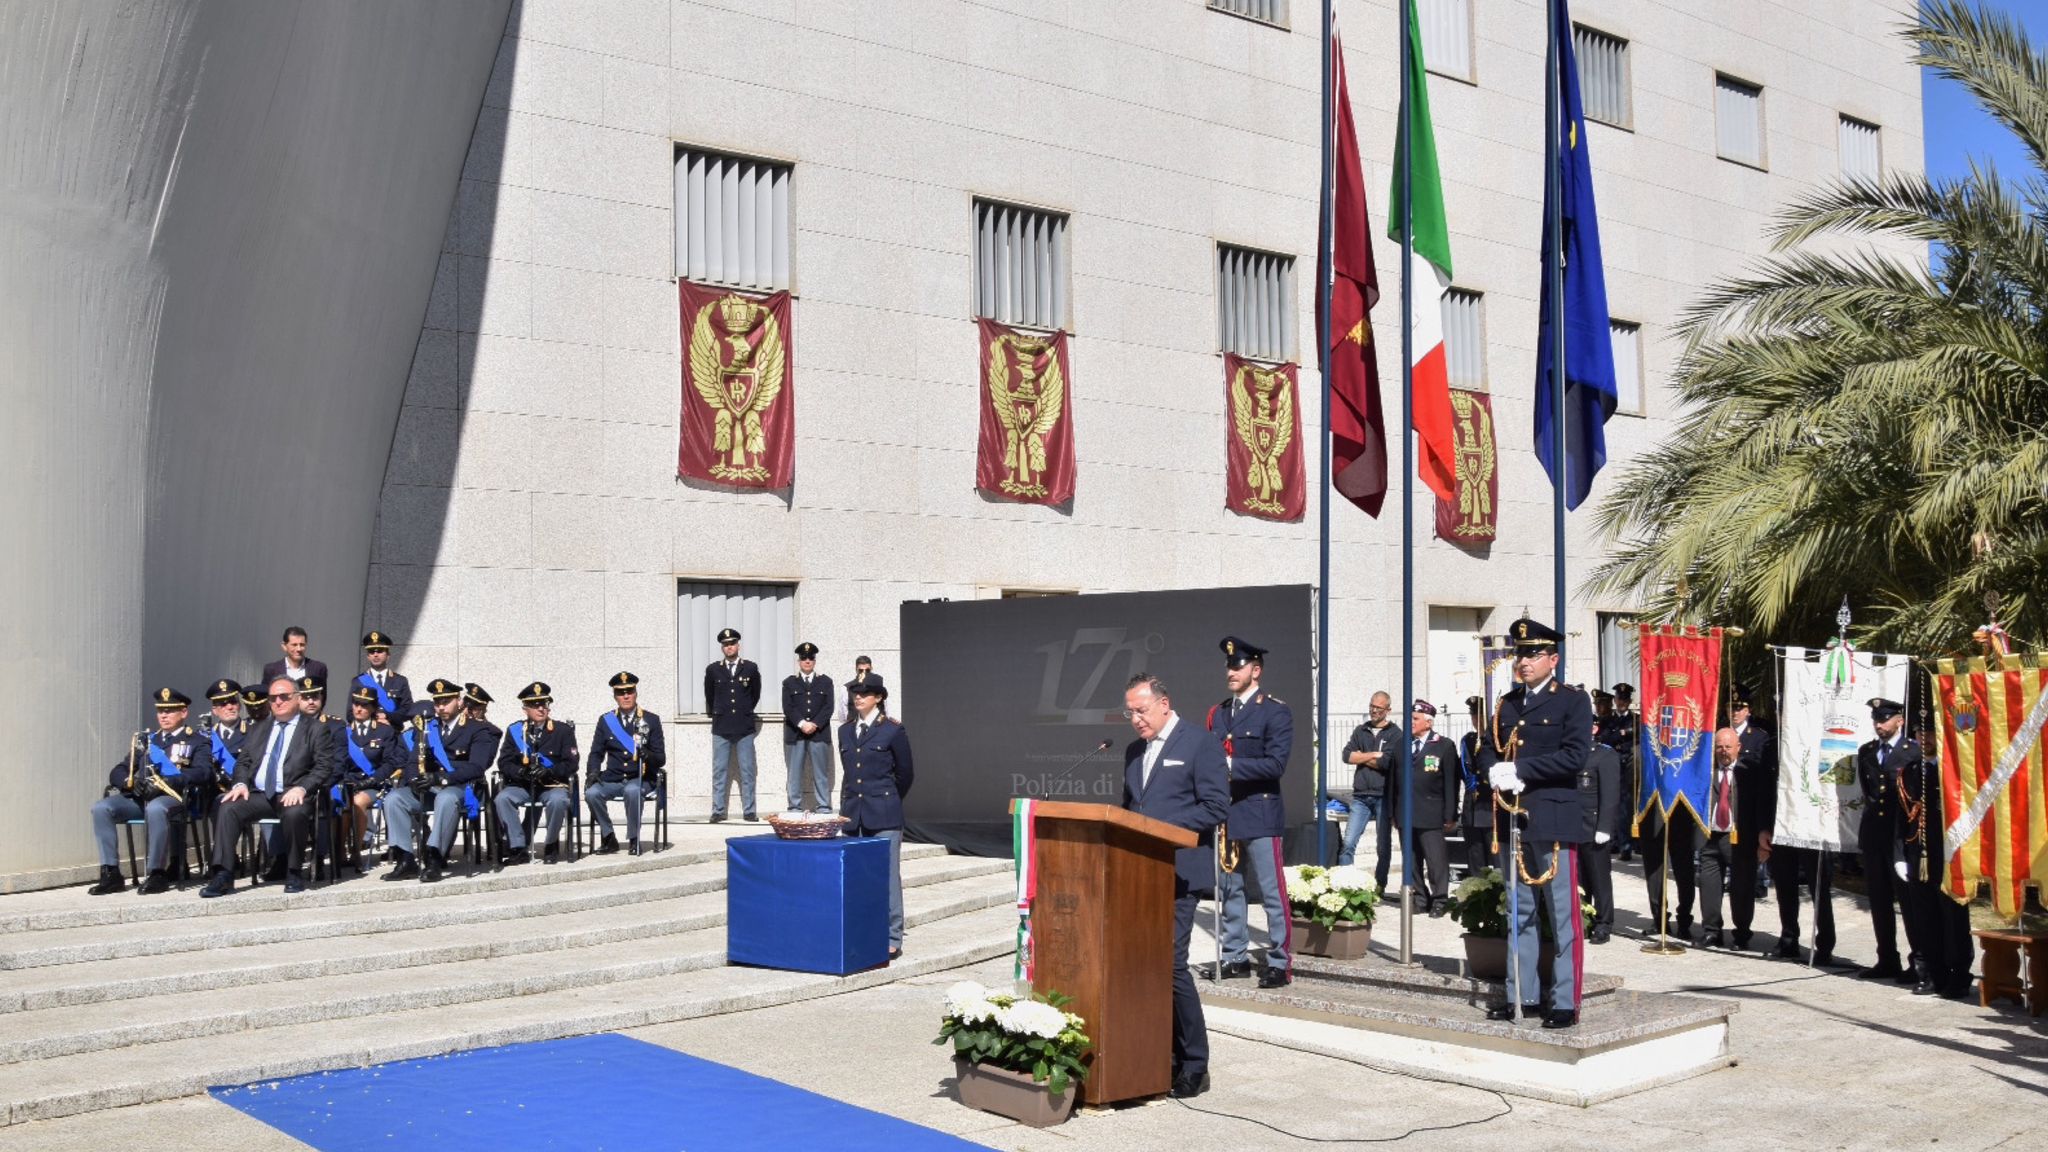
(1173, 772)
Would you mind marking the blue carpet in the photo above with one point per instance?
(604, 1093)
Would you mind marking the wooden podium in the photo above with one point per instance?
(1102, 933)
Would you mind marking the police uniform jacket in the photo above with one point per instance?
(1256, 742)
(1756, 783)
(190, 757)
(874, 774)
(1875, 827)
(1555, 728)
(1478, 798)
(554, 742)
(801, 702)
(373, 739)
(472, 747)
(310, 759)
(1911, 836)
(1600, 794)
(1437, 783)
(1187, 789)
(396, 687)
(730, 695)
(609, 760)
(224, 743)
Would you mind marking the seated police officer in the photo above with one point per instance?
(366, 741)
(224, 729)
(537, 762)
(287, 760)
(456, 754)
(626, 757)
(149, 785)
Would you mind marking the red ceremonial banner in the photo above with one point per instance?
(1474, 517)
(1027, 423)
(1266, 475)
(739, 410)
(1681, 689)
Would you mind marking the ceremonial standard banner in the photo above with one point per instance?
(1496, 669)
(1267, 477)
(739, 412)
(1994, 775)
(1824, 717)
(1681, 682)
(1472, 518)
(1027, 424)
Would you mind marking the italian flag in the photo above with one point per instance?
(1430, 274)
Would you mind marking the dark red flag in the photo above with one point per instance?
(1027, 417)
(1474, 516)
(739, 409)
(1358, 430)
(1266, 475)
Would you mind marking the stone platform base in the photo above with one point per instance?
(1414, 1020)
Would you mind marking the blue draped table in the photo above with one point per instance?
(807, 905)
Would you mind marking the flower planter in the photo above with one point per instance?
(1341, 942)
(1486, 957)
(1012, 1094)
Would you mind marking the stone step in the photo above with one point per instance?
(45, 1033)
(139, 1073)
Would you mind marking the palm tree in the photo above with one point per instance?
(1857, 423)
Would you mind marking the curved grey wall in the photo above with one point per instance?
(219, 223)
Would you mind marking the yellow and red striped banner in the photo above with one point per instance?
(1994, 775)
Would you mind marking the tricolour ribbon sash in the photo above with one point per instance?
(1024, 839)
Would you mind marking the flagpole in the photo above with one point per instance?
(1327, 265)
(1554, 270)
(1406, 138)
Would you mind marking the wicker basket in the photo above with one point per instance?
(806, 827)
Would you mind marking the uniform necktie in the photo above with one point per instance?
(270, 762)
(861, 732)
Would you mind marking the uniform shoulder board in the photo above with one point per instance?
(1274, 699)
(550, 727)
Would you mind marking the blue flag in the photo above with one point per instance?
(1589, 395)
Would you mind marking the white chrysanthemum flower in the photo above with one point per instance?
(1330, 902)
(1032, 1018)
(1350, 877)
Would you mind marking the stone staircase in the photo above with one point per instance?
(120, 1000)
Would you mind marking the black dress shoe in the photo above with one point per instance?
(1600, 934)
(1275, 978)
(1186, 1087)
(1438, 908)
(1232, 970)
(1684, 931)
(633, 848)
(1507, 1011)
(110, 882)
(751, 818)
(718, 817)
(519, 856)
(609, 845)
(406, 870)
(431, 873)
(294, 882)
(1887, 970)
(1957, 991)
(1787, 950)
(158, 881)
(223, 882)
(1560, 1018)
(1924, 988)
(553, 854)
(274, 874)
(1830, 960)
(1741, 939)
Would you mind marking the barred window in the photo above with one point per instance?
(1603, 76)
(1860, 159)
(1020, 265)
(763, 614)
(1627, 339)
(732, 220)
(1739, 121)
(1465, 339)
(1446, 27)
(1272, 12)
(1255, 303)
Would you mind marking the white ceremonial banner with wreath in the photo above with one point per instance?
(1824, 719)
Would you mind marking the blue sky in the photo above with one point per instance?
(1957, 129)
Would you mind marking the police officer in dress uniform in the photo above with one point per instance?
(149, 785)
(1435, 809)
(806, 722)
(457, 752)
(875, 775)
(1618, 731)
(1533, 752)
(732, 687)
(313, 705)
(1938, 927)
(1881, 764)
(394, 694)
(626, 758)
(537, 761)
(1600, 798)
(1475, 818)
(1756, 778)
(224, 729)
(366, 741)
(1257, 732)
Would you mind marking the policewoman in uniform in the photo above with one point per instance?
(732, 687)
(536, 762)
(1533, 751)
(626, 757)
(874, 777)
(365, 741)
(1257, 731)
(807, 706)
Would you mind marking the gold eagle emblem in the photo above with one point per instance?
(738, 378)
(1028, 412)
(1472, 429)
(1262, 411)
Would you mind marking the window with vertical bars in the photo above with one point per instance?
(1738, 121)
(1020, 265)
(1860, 159)
(1603, 75)
(1627, 339)
(1264, 11)
(763, 614)
(1255, 303)
(1446, 27)
(1465, 339)
(732, 220)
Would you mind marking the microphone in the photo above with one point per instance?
(1098, 750)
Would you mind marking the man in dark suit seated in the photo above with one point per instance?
(1174, 772)
(286, 761)
(295, 665)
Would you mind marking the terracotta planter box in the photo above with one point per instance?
(1343, 942)
(1013, 1094)
(1486, 957)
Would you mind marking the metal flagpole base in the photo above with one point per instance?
(1664, 946)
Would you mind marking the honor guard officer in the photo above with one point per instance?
(394, 694)
(1938, 927)
(806, 737)
(1601, 807)
(626, 758)
(537, 762)
(1533, 752)
(732, 687)
(456, 754)
(874, 776)
(366, 741)
(1881, 766)
(148, 785)
(1257, 731)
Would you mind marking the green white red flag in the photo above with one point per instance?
(1430, 276)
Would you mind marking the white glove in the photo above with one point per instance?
(1601, 837)
(1503, 778)
(1899, 866)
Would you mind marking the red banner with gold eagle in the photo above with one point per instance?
(739, 411)
(1475, 516)
(1027, 420)
(1266, 475)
